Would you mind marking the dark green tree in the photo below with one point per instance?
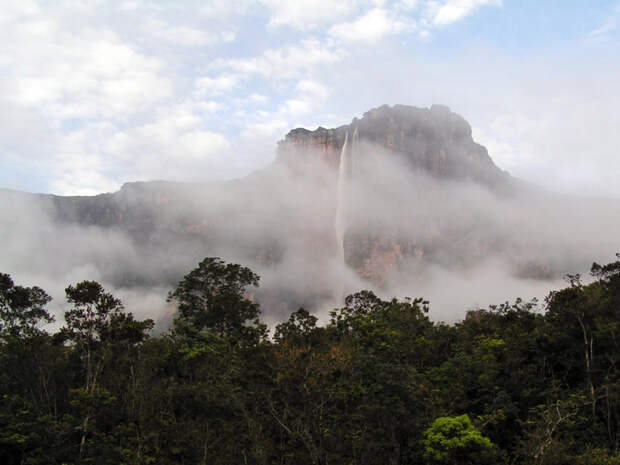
(213, 297)
(27, 357)
(98, 331)
(22, 309)
(299, 330)
(92, 313)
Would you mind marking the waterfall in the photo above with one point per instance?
(353, 151)
(339, 221)
(345, 173)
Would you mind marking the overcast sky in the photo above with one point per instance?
(95, 93)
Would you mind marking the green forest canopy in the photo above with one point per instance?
(379, 384)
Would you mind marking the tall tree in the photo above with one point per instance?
(96, 325)
(213, 297)
(22, 309)
(27, 394)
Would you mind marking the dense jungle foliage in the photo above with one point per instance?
(379, 384)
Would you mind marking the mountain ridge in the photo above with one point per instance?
(422, 195)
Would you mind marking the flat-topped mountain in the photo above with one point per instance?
(434, 140)
(382, 202)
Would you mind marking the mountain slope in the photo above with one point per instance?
(420, 196)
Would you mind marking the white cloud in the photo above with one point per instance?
(64, 76)
(287, 62)
(454, 10)
(407, 5)
(201, 144)
(12, 11)
(79, 175)
(185, 35)
(257, 98)
(307, 14)
(168, 122)
(310, 96)
(174, 145)
(98, 91)
(313, 90)
(266, 129)
(221, 10)
(556, 131)
(209, 106)
(215, 85)
(371, 27)
(77, 165)
(130, 5)
(504, 154)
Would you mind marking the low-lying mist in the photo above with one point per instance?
(455, 242)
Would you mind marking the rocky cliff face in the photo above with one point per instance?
(434, 140)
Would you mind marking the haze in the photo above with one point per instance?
(96, 94)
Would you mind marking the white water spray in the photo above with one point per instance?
(341, 187)
(340, 222)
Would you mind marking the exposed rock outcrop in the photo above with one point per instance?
(434, 140)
